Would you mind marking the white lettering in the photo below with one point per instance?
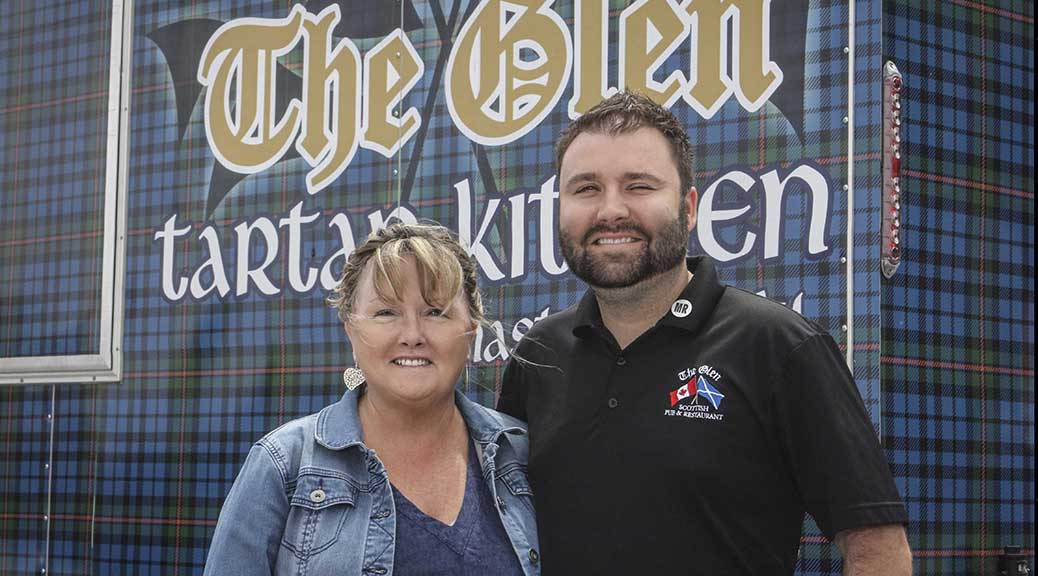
(258, 276)
(168, 235)
(330, 273)
(214, 263)
(708, 215)
(475, 245)
(293, 221)
(774, 193)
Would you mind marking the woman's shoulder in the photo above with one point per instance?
(288, 442)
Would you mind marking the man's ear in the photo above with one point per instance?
(690, 205)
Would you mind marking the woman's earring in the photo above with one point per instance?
(352, 377)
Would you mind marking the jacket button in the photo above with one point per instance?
(613, 402)
(621, 361)
(534, 556)
(317, 496)
(500, 503)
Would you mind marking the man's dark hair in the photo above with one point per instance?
(625, 112)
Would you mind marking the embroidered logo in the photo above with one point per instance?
(698, 397)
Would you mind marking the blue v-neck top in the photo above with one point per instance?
(475, 545)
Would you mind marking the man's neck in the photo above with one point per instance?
(628, 312)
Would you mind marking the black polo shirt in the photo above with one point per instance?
(698, 448)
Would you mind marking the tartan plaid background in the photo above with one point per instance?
(52, 181)
(958, 318)
(131, 475)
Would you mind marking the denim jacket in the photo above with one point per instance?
(312, 499)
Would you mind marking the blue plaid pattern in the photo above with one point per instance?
(942, 352)
(52, 180)
(958, 318)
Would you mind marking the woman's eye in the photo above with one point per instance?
(437, 312)
(384, 312)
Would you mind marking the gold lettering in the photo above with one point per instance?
(391, 69)
(754, 76)
(650, 30)
(591, 19)
(331, 98)
(242, 55)
(496, 93)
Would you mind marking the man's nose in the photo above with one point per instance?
(613, 206)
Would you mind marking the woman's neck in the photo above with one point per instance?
(398, 431)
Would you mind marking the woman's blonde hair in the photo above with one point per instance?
(444, 268)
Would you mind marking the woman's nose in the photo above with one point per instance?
(412, 332)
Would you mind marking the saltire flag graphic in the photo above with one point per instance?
(704, 389)
(698, 387)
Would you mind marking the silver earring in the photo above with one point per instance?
(352, 377)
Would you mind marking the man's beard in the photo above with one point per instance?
(660, 253)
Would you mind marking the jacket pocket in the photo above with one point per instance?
(514, 478)
(319, 507)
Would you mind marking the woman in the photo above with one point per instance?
(403, 474)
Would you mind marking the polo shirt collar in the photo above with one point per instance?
(702, 293)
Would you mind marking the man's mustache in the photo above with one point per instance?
(626, 226)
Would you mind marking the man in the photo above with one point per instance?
(679, 426)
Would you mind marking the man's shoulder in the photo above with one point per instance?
(554, 331)
(559, 324)
(746, 311)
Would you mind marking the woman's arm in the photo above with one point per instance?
(248, 533)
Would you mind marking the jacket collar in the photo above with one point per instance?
(338, 425)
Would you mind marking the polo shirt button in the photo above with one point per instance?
(613, 402)
(534, 556)
(621, 361)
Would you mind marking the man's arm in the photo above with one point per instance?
(875, 550)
